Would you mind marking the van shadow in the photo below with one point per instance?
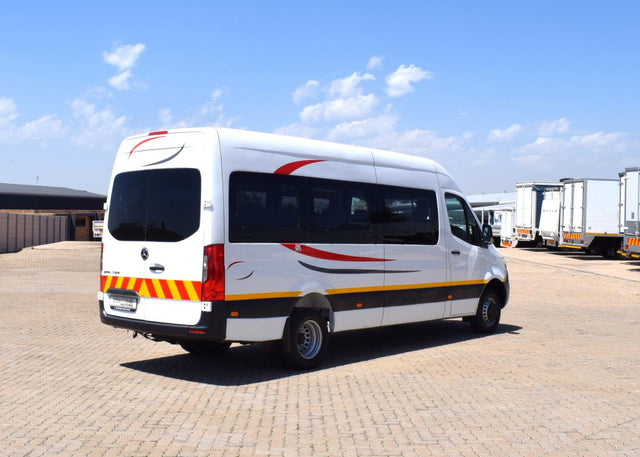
(250, 364)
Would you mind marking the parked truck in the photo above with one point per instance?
(528, 210)
(507, 227)
(629, 211)
(589, 215)
(549, 227)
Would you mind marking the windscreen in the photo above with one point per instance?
(155, 205)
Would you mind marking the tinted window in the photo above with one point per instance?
(340, 212)
(155, 205)
(277, 208)
(463, 223)
(408, 216)
(264, 207)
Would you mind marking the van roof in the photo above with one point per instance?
(313, 147)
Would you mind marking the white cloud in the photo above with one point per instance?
(582, 148)
(308, 90)
(357, 107)
(121, 80)
(549, 128)
(124, 57)
(96, 128)
(375, 63)
(400, 81)
(349, 86)
(8, 114)
(165, 117)
(211, 112)
(497, 135)
(296, 129)
(44, 128)
(375, 126)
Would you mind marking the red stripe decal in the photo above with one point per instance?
(235, 263)
(319, 254)
(150, 288)
(293, 166)
(142, 142)
(166, 290)
(184, 295)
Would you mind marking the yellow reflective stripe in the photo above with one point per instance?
(158, 287)
(191, 290)
(175, 293)
(261, 296)
(119, 281)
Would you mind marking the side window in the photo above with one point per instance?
(407, 216)
(339, 212)
(463, 223)
(263, 208)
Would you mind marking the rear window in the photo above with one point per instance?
(155, 205)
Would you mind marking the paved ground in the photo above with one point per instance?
(560, 378)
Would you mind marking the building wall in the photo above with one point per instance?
(18, 231)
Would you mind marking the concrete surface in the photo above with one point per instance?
(561, 377)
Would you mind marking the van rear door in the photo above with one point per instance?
(153, 242)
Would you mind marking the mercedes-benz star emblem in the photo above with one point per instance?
(144, 253)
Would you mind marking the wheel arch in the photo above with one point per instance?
(499, 288)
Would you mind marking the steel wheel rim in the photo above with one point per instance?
(309, 339)
(489, 311)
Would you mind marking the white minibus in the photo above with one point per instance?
(214, 236)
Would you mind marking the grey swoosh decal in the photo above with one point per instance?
(167, 159)
(245, 277)
(351, 271)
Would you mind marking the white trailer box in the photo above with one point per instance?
(589, 215)
(528, 209)
(549, 227)
(629, 209)
(507, 229)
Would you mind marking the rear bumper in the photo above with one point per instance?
(211, 327)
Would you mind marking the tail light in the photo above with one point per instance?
(213, 273)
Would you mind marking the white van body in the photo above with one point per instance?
(549, 227)
(589, 215)
(528, 210)
(223, 235)
(629, 210)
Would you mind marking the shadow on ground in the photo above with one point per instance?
(253, 363)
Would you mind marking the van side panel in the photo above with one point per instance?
(268, 279)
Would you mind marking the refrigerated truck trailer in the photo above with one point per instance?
(507, 227)
(528, 210)
(589, 215)
(549, 227)
(629, 204)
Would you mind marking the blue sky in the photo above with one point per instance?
(497, 92)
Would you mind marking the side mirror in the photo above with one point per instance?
(487, 234)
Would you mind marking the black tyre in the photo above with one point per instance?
(205, 347)
(306, 340)
(487, 317)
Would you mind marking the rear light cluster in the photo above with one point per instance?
(213, 273)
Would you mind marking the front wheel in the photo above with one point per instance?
(487, 317)
(306, 341)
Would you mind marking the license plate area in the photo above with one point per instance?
(128, 303)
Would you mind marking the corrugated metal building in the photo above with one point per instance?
(34, 215)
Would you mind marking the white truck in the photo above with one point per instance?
(549, 227)
(507, 226)
(589, 216)
(629, 211)
(528, 210)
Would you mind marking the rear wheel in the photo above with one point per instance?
(205, 347)
(306, 340)
(487, 317)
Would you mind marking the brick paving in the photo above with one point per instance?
(560, 378)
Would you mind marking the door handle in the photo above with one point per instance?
(156, 268)
(455, 252)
